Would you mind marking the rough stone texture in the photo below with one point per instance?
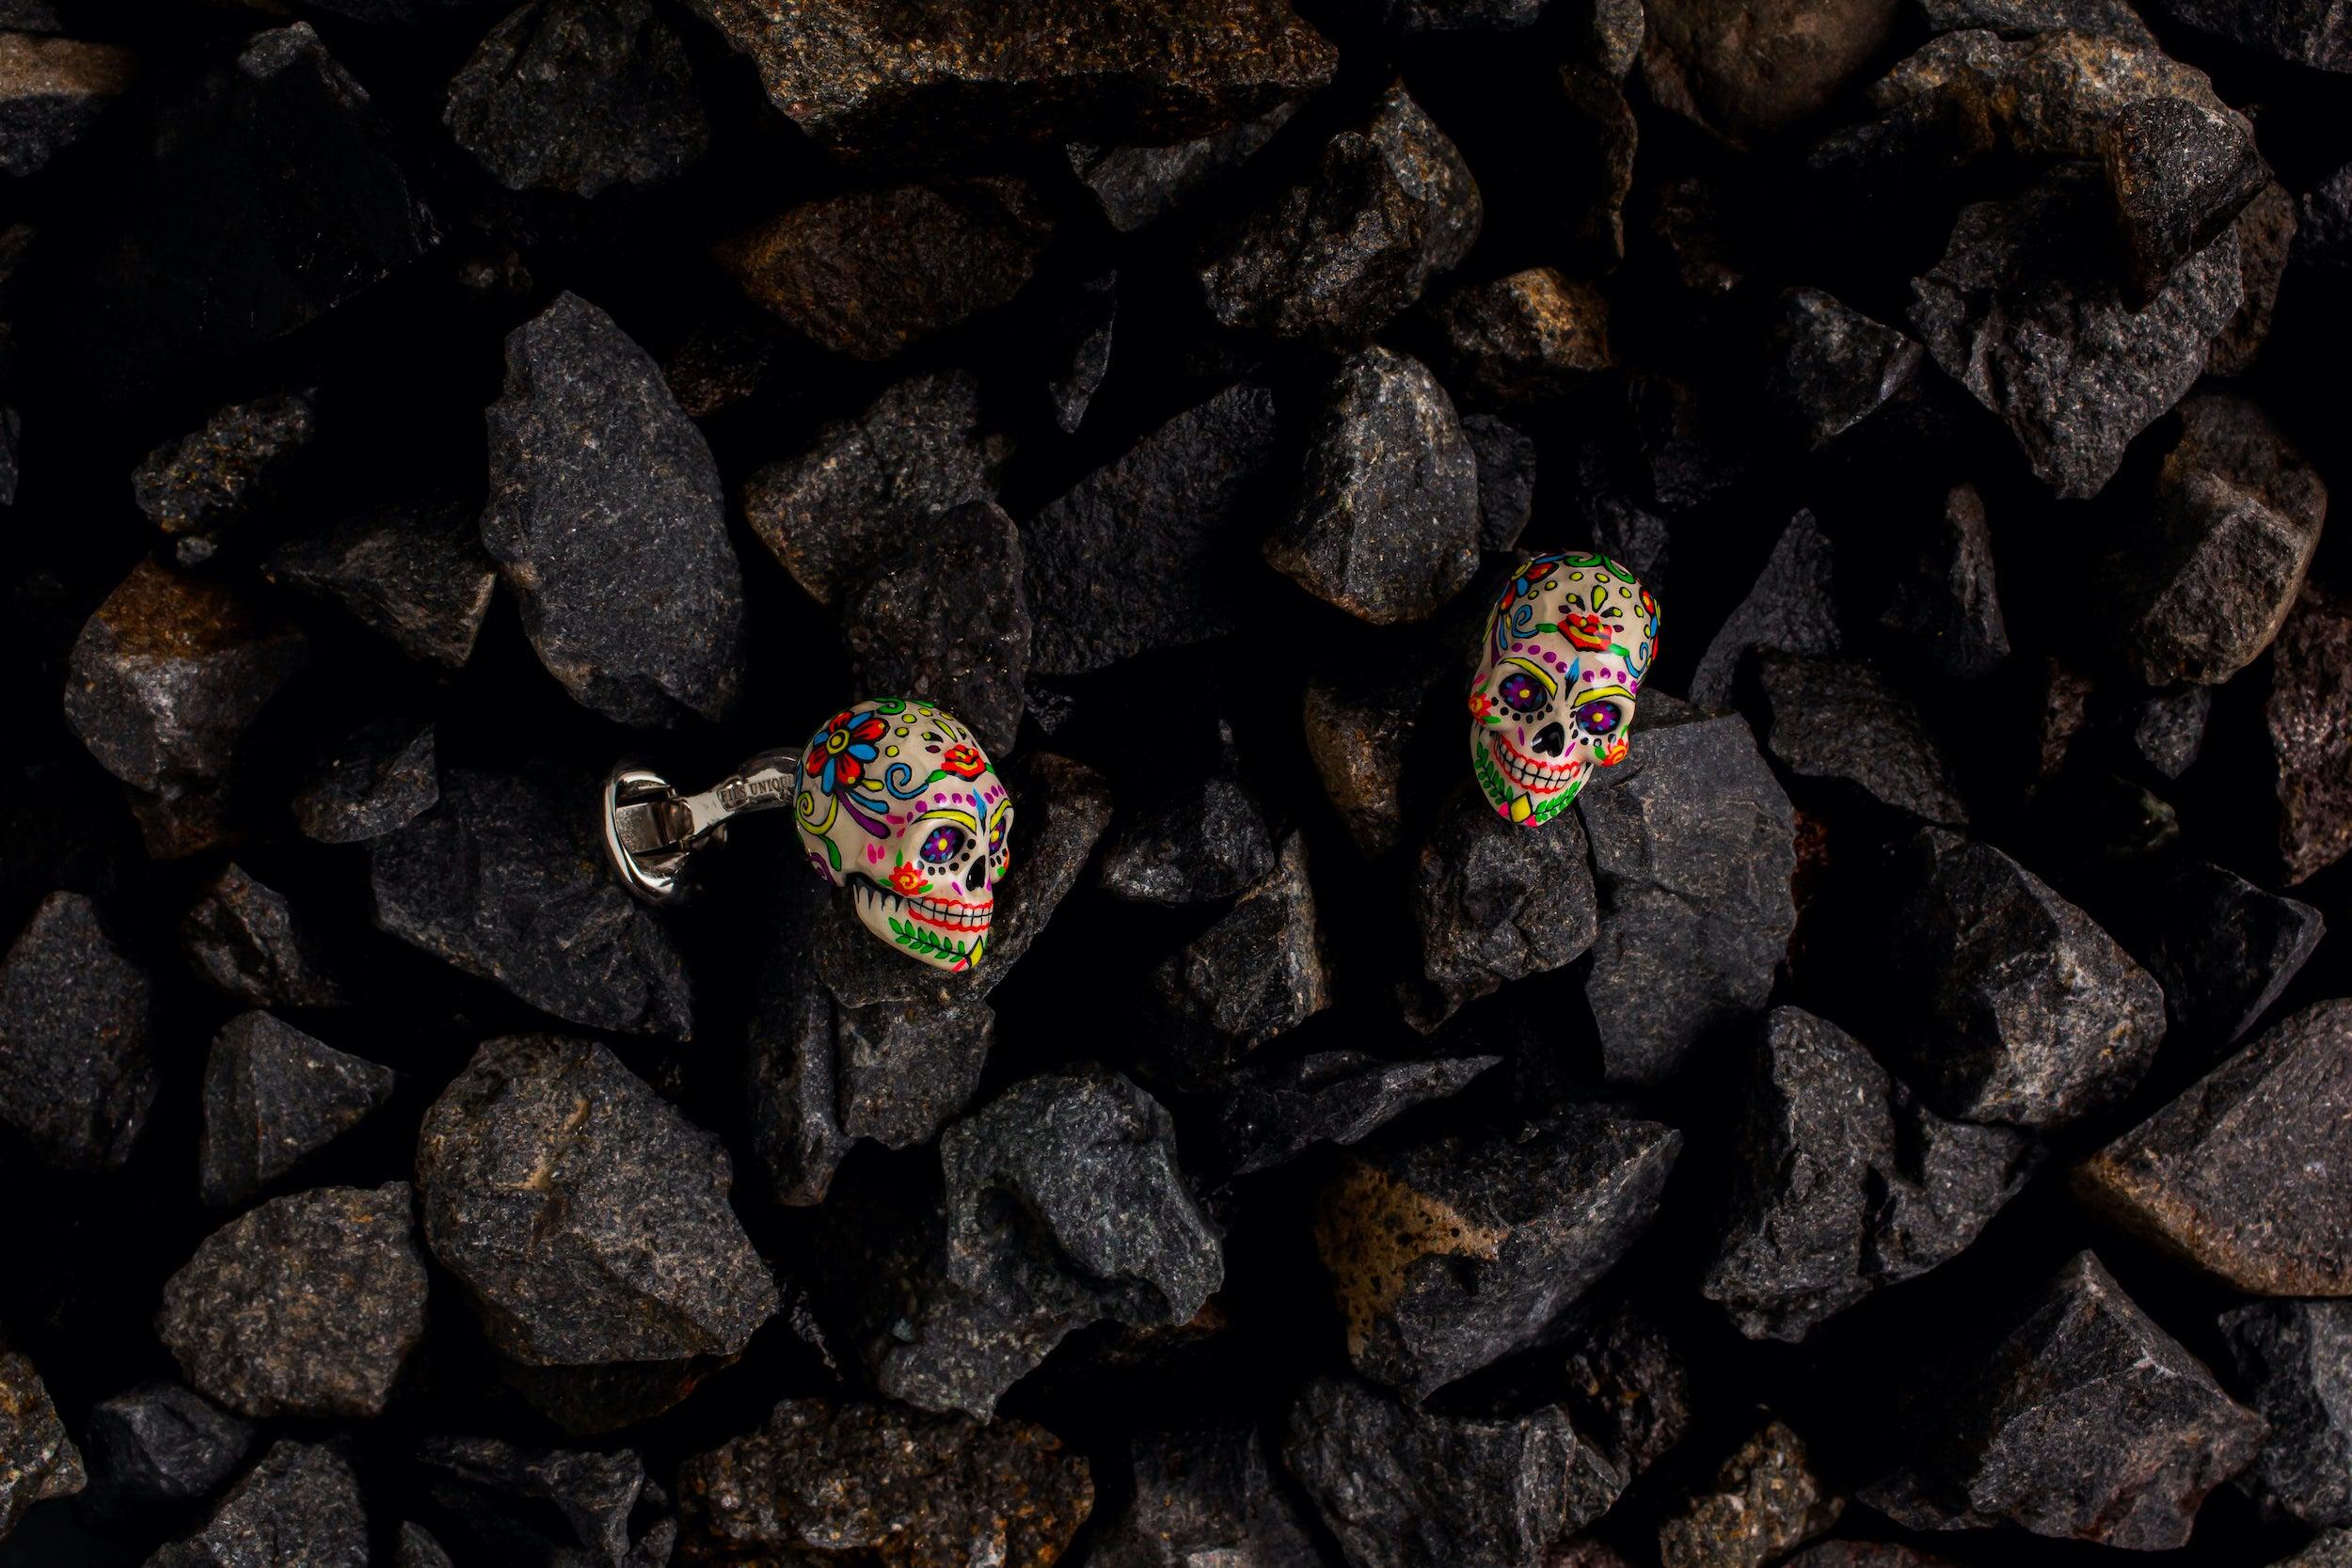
(1449, 16)
(870, 273)
(2330, 1549)
(274, 1096)
(1140, 185)
(2239, 1175)
(1406, 1488)
(504, 880)
(1450, 1254)
(368, 781)
(2014, 18)
(1532, 334)
(1864, 1554)
(161, 1444)
(1692, 856)
(1506, 458)
(78, 1074)
(2167, 728)
(1256, 973)
(608, 522)
(2200, 588)
(2015, 1008)
(588, 1218)
(2266, 241)
(2222, 948)
(554, 1506)
(1764, 1500)
(1079, 350)
(1390, 205)
(1197, 841)
(414, 572)
(842, 507)
(2018, 312)
(2310, 729)
(245, 940)
(1495, 901)
(943, 617)
(306, 1305)
(37, 1461)
(2294, 1359)
(2181, 173)
(1831, 367)
(2301, 32)
(1359, 727)
(1270, 1115)
(52, 91)
(299, 1508)
(1840, 720)
(204, 487)
(1205, 1495)
(1752, 69)
(1947, 606)
(2322, 219)
(1386, 524)
(1138, 554)
(168, 674)
(1629, 1390)
(2078, 1418)
(1789, 609)
(867, 79)
(824, 1483)
(580, 96)
(1844, 1182)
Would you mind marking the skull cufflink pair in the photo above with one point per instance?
(1565, 649)
(893, 798)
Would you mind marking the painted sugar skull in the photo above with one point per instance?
(1565, 653)
(899, 801)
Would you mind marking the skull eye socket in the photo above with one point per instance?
(997, 825)
(1521, 691)
(941, 844)
(1599, 717)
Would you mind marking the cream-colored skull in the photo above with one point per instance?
(899, 801)
(1564, 656)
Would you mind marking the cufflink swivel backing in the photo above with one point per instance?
(650, 829)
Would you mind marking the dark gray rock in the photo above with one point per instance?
(244, 939)
(2076, 1418)
(52, 91)
(1629, 1390)
(1270, 1115)
(2310, 729)
(1141, 553)
(2329, 1549)
(273, 1097)
(2295, 1358)
(2299, 32)
(2265, 243)
(608, 522)
(1844, 1182)
(1506, 458)
(1495, 901)
(2237, 1175)
(825, 1484)
(206, 486)
(868, 273)
(299, 1508)
(1838, 719)
(944, 618)
(1763, 1500)
(305, 1306)
(1692, 856)
(369, 781)
(588, 1218)
(2200, 588)
(1140, 185)
(1749, 70)
(1447, 1255)
(2222, 949)
(1946, 606)
(1529, 335)
(2167, 729)
(505, 880)
(2322, 231)
(1406, 1488)
(1257, 973)
(1831, 367)
(871, 81)
(37, 1461)
(1205, 1495)
(2014, 18)
(1081, 347)
(1197, 841)
(1790, 608)
(1390, 205)
(161, 1444)
(554, 1506)
(2018, 312)
(78, 1074)
(842, 508)
(414, 572)
(580, 96)
(418, 1549)
(2180, 174)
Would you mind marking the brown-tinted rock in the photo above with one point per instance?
(37, 1461)
(1359, 726)
(1747, 69)
(205, 487)
(1764, 1500)
(1531, 334)
(78, 1074)
(52, 91)
(411, 571)
(2265, 240)
(2309, 726)
(2181, 173)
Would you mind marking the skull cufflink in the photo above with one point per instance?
(1565, 649)
(893, 798)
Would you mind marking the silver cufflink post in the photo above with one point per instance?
(651, 830)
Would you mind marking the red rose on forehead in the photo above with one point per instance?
(965, 760)
(1587, 631)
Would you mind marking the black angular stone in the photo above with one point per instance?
(1450, 1254)
(2181, 173)
(2012, 19)
(1082, 340)
(607, 519)
(52, 91)
(580, 96)
(78, 1074)
(1838, 719)
(944, 618)
(1406, 1488)
(368, 781)
(418, 1549)
(1790, 608)
(2223, 949)
(505, 880)
(160, 1444)
(412, 571)
(1507, 456)
(1831, 367)
(2076, 1418)
(1629, 1390)
(1256, 973)
(1205, 1494)
(1946, 606)
(2295, 1358)
(2323, 234)
(2265, 243)
(299, 1508)
(205, 487)
(587, 1217)
(1140, 185)
(1844, 1182)
(2167, 729)
(244, 939)
(2309, 730)
(1763, 1500)
(556, 1505)
(2299, 32)
(273, 1096)
(37, 1461)
(1270, 1115)
(1749, 72)
(1197, 841)
(1495, 901)
(1390, 206)
(1140, 554)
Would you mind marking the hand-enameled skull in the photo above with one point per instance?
(1565, 653)
(898, 800)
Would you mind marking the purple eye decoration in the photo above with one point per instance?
(1598, 717)
(1520, 693)
(939, 844)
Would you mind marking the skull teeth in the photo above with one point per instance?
(971, 918)
(1534, 776)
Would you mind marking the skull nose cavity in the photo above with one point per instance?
(977, 878)
(1552, 739)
